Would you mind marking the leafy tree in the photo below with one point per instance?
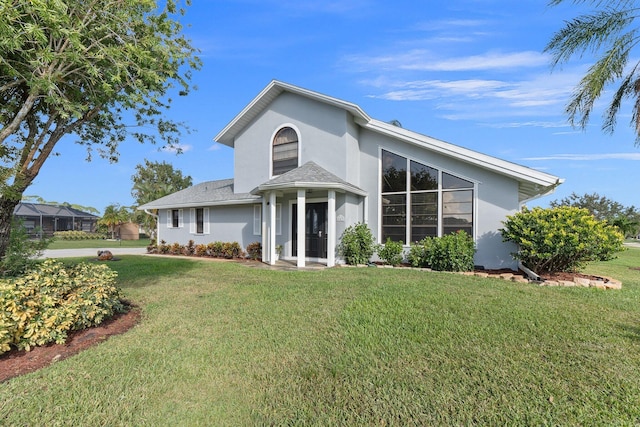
(152, 181)
(101, 70)
(114, 215)
(610, 33)
(626, 218)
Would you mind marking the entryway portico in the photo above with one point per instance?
(309, 231)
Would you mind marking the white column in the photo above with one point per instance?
(301, 228)
(263, 230)
(272, 227)
(331, 224)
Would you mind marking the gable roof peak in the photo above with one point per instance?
(227, 135)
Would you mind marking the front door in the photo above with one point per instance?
(315, 230)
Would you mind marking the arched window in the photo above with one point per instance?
(285, 151)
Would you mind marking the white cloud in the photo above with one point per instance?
(426, 60)
(532, 123)
(215, 147)
(588, 157)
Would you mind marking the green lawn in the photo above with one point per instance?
(98, 243)
(224, 344)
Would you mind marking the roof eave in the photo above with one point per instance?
(513, 170)
(199, 204)
(311, 185)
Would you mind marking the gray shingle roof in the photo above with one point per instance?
(203, 194)
(309, 175)
(38, 209)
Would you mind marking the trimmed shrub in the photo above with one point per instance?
(254, 250)
(47, 302)
(356, 244)
(77, 235)
(452, 252)
(563, 238)
(391, 252)
(201, 250)
(152, 247)
(189, 249)
(231, 250)
(163, 248)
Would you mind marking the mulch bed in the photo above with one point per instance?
(14, 363)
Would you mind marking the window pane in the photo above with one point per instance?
(457, 211)
(285, 151)
(423, 177)
(394, 172)
(394, 217)
(450, 182)
(175, 218)
(283, 166)
(199, 221)
(424, 215)
(419, 233)
(284, 136)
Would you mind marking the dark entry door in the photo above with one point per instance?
(315, 230)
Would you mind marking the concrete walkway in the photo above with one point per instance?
(69, 253)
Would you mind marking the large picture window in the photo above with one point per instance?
(424, 202)
(285, 151)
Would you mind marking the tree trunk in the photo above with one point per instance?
(7, 205)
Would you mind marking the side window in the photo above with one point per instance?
(257, 220)
(174, 218)
(285, 151)
(199, 223)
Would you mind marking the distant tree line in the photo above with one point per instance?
(625, 218)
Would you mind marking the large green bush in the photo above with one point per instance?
(563, 238)
(47, 302)
(452, 252)
(356, 244)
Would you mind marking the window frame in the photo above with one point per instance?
(409, 194)
(199, 226)
(175, 218)
(272, 149)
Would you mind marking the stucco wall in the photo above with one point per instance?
(226, 224)
(496, 195)
(323, 131)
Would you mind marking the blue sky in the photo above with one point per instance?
(469, 72)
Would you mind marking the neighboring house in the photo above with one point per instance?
(47, 219)
(307, 166)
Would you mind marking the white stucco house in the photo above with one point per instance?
(307, 166)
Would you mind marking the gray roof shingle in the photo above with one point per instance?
(206, 193)
(309, 175)
(38, 209)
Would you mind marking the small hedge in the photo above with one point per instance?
(391, 252)
(47, 302)
(227, 250)
(77, 235)
(453, 252)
